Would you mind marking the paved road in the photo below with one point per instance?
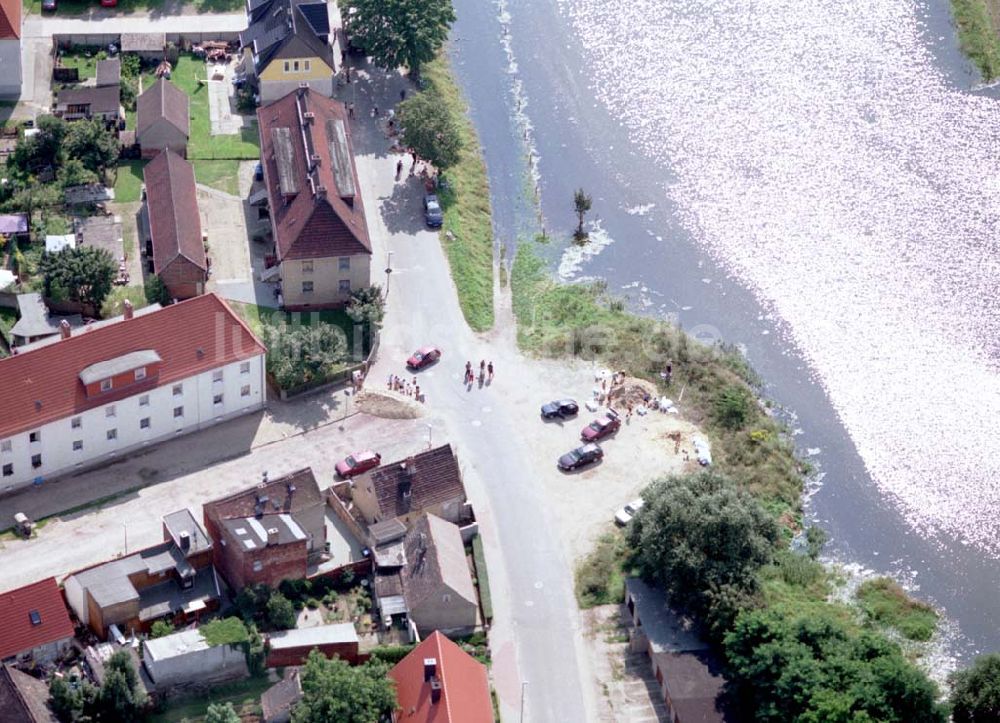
(535, 637)
(37, 26)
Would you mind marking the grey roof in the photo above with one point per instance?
(280, 28)
(92, 326)
(13, 223)
(109, 583)
(280, 697)
(118, 365)
(435, 557)
(386, 531)
(35, 319)
(104, 99)
(88, 193)
(320, 635)
(184, 521)
(109, 71)
(252, 531)
(667, 630)
(169, 597)
(340, 154)
(136, 42)
(172, 646)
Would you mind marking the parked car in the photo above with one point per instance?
(424, 356)
(109, 3)
(581, 457)
(432, 211)
(626, 513)
(358, 463)
(601, 428)
(49, 5)
(560, 408)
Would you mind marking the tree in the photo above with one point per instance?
(221, 713)
(84, 274)
(429, 129)
(975, 694)
(74, 173)
(65, 702)
(300, 355)
(93, 144)
(156, 291)
(704, 540)
(367, 307)
(332, 690)
(161, 628)
(280, 612)
(42, 150)
(581, 205)
(732, 407)
(31, 197)
(120, 698)
(813, 668)
(399, 33)
(256, 652)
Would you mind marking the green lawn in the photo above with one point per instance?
(244, 695)
(87, 67)
(466, 205)
(128, 185)
(222, 175)
(190, 76)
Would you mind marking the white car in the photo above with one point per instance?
(626, 513)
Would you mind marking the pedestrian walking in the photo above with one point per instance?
(416, 393)
(399, 168)
(374, 111)
(468, 372)
(489, 369)
(350, 110)
(402, 94)
(482, 368)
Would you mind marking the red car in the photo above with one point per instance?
(109, 3)
(601, 428)
(423, 356)
(358, 463)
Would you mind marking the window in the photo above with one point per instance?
(344, 264)
(140, 373)
(178, 412)
(36, 460)
(112, 435)
(258, 565)
(245, 390)
(178, 390)
(8, 470)
(307, 287)
(109, 411)
(144, 423)
(5, 445)
(144, 400)
(345, 286)
(35, 437)
(295, 66)
(77, 445)
(76, 422)
(217, 375)
(305, 65)
(307, 267)
(245, 368)
(287, 66)
(35, 617)
(217, 399)
(105, 385)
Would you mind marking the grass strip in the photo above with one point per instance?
(224, 631)
(977, 34)
(467, 233)
(482, 577)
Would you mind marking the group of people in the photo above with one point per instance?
(485, 372)
(404, 387)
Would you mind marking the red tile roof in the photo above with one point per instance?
(41, 385)
(172, 200)
(312, 223)
(465, 693)
(10, 19)
(17, 633)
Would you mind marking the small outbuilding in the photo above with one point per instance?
(292, 647)
(148, 46)
(187, 657)
(109, 72)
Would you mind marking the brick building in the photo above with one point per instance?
(34, 623)
(268, 533)
(292, 647)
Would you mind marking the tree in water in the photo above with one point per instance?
(581, 205)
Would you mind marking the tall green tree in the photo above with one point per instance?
(975, 691)
(428, 128)
(399, 33)
(43, 149)
(581, 205)
(120, 697)
(280, 612)
(299, 355)
(221, 713)
(31, 197)
(333, 690)
(74, 173)
(92, 144)
(367, 307)
(83, 273)
(704, 540)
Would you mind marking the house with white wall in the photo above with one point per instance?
(87, 396)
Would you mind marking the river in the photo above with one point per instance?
(815, 182)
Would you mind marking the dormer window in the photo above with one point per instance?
(35, 617)
(140, 374)
(126, 369)
(106, 385)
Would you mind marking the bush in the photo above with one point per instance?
(391, 654)
(599, 576)
(732, 407)
(298, 356)
(280, 612)
(884, 601)
(975, 695)
(161, 628)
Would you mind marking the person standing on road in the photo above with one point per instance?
(489, 369)
(482, 368)
(399, 168)
(468, 372)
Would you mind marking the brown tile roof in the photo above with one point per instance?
(277, 701)
(42, 385)
(10, 19)
(172, 200)
(164, 100)
(465, 688)
(244, 503)
(23, 698)
(695, 684)
(433, 477)
(435, 558)
(321, 213)
(20, 633)
(103, 99)
(109, 72)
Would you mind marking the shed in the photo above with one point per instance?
(109, 72)
(54, 243)
(185, 658)
(13, 223)
(163, 119)
(292, 647)
(149, 46)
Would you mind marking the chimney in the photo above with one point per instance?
(185, 540)
(321, 191)
(436, 687)
(308, 116)
(303, 88)
(64, 329)
(272, 536)
(127, 306)
(430, 668)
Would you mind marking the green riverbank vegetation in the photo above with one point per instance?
(977, 23)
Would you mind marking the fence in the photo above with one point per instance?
(102, 40)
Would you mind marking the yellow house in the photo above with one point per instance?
(288, 43)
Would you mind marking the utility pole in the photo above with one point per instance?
(524, 684)
(388, 271)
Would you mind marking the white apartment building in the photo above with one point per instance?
(90, 395)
